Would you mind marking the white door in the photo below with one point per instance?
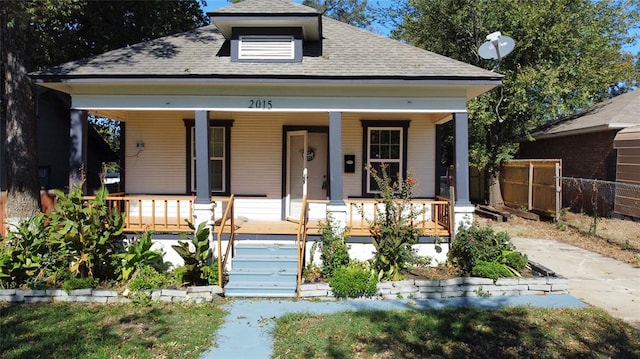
(297, 148)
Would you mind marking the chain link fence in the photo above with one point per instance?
(601, 198)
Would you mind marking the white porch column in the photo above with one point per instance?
(202, 206)
(463, 209)
(78, 129)
(336, 207)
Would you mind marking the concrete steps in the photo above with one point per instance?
(263, 270)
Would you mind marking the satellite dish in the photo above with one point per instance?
(496, 47)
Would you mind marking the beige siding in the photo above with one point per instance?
(160, 167)
(256, 151)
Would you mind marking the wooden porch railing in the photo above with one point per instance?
(434, 216)
(301, 240)
(227, 217)
(158, 213)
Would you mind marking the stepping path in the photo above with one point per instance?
(246, 332)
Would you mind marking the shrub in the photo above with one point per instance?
(476, 244)
(493, 270)
(199, 263)
(353, 281)
(24, 254)
(86, 234)
(146, 278)
(393, 233)
(78, 283)
(138, 253)
(332, 244)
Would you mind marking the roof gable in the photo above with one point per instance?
(344, 53)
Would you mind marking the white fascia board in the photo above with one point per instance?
(266, 103)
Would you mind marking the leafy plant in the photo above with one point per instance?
(493, 270)
(353, 281)
(146, 277)
(88, 232)
(197, 267)
(475, 245)
(393, 233)
(23, 253)
(139, 253)
(332, 244)
(78, 283)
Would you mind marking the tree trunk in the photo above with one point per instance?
(23, 197)
(495, 192)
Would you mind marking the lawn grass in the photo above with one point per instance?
(79, 330)
(520, 332)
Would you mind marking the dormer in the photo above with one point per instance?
(267, 30)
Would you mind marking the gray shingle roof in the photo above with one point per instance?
(345, 52)
(618, 112)
(264, 7)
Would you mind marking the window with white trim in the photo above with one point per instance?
(266, 47)
(385, 145)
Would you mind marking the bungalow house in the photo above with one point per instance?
(585, 144)
(269, 116)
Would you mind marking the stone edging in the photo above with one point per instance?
(189, 295)
(454, 287)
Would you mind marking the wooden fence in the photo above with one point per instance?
(534, 185)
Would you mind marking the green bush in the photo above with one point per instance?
(197, 268)
(514, 260)
(332, 244)
(138, 254)
(353, 281)
(476, 244)
(86, 233)
(493, 270)
(25, 256)
(78, 283)
(147, 278)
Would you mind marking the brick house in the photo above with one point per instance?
(584, 143)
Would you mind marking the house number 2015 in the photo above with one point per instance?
(262, 104)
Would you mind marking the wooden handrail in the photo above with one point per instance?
(440, 214)
(157, 219)
(301, 240)
(222, 260)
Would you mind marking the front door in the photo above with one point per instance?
(297, 145)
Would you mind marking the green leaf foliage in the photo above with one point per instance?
(139, 253)
(569, 55)
(199, 261)
(353, 281)
(475, 245)
(393, 233)
(334, 252)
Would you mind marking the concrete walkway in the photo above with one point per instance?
(246, 332)
(600, 281)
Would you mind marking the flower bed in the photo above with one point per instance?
(547, 283)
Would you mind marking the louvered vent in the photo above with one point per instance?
(266, 47)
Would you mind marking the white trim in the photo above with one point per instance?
(278, 104)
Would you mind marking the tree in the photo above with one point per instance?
(41, 33)
(568, 56)
(353, 12)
